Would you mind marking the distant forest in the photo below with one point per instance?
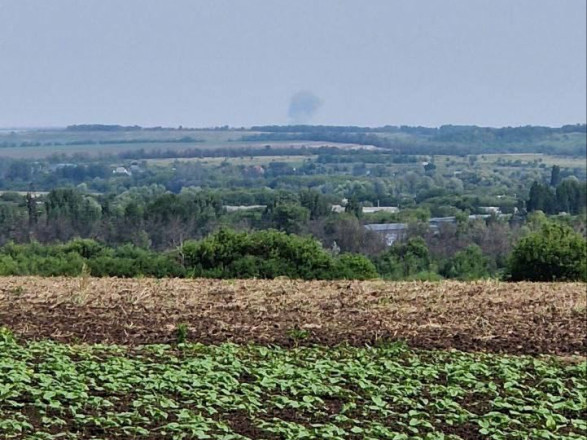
(447, 139)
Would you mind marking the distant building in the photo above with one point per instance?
(391, 232)
(368, 209)
(490, 209)
(373, 209)
(122, 171)
(233, 208)
(435, 222)
(58, 166)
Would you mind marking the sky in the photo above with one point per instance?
(202, 63)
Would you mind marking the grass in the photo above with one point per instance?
(488, 163)
(490, 160)
(88, 142)
(50, 390)
(548, 160)
(245, 160)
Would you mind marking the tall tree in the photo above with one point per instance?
(354, 207)
(555, 175)
(541, 199)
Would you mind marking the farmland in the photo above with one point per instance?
(245, 160)
(42, 143)
(239, 392)
(521, 318)
(110, 358)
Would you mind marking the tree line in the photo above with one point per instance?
(553, 253)
(225, 254)
(447, 139)
(569, 196)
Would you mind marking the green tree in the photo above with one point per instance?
(71, 213)
(262, 254)
(541, 199)
(354, 207)
(288, 217)
(315, 203)
(405, 260)
(554, 253)
(570, 196)
(555, 175)
(468, 264)
(429, 168)
(354, 267)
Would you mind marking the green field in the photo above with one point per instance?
(37, 144)
(56, 391)
(245, 160)
(68, 136)
(508, 161)
(562, 161)
(39, 152)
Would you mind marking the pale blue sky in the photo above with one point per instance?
(237, 62)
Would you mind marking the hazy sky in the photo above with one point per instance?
(239, 62)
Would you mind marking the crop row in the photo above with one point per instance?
(50, 390)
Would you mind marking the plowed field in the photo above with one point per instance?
(528, 318)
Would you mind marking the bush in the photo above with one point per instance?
(68, 260)
(354, 267)
(466, 265)
(130, 261)
(269, 254)
(8, 266)
(554, 253)
(226, 254)
(86, 248)
(404, 260)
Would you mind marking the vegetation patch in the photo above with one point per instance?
(50, 390)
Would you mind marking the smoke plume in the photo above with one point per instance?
(303, 106)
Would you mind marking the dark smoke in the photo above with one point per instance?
(302, 107)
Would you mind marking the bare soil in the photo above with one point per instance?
(528, 318)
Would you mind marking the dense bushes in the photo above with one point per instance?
(130, 261)
(409, 260)
(226, 254)
(71, 258)
(468, 264)
(554, 253)
(269, 254)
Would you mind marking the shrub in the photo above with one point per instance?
(86, 248)
(468, 264)
(404, 260)
(554, 253)
(69, 259)
(354, 267)
(269, 254)
(8, 266)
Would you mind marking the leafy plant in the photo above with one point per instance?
(52, 391)
(181, 333)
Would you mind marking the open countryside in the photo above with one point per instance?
(313, 360)
(293, 220)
